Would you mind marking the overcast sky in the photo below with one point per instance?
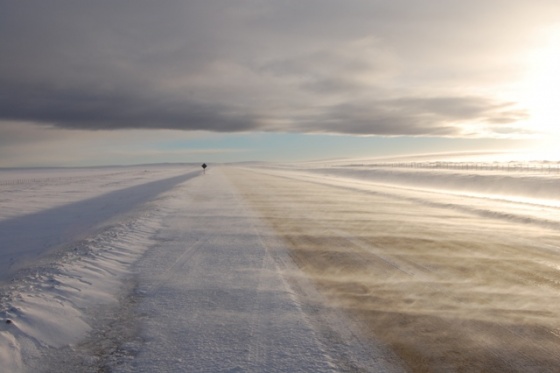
(93, 82)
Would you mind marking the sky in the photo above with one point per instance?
(87, 83)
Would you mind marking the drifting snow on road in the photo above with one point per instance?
(449, 280)
(211, 296)
(186, 279)
(279, 269)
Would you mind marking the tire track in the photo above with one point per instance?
(172, 270)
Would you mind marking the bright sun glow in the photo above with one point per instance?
(543, 87)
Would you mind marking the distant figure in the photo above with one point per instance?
(204, 167)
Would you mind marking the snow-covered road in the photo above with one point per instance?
(211, 297)
(195, 281)
(271, 270)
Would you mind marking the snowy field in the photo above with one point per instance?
(315, 267)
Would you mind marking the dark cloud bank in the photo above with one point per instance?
(230, 66)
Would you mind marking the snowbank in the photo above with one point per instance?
(60, 261)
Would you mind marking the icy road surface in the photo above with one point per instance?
(183, 277)
(212, 296)
(268, 269)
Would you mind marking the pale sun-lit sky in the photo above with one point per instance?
(105, 82)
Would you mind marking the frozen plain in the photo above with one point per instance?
(313, 268)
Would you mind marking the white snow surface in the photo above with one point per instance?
(164, 269)
(521, 196)
(212, 296)
(61, 259)
(157, 269)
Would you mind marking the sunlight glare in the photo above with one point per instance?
(543, 88)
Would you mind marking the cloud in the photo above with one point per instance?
(349, 67)
(95, 110)
(433, 116)
(375, 68)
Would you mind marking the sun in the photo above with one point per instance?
(542, 88)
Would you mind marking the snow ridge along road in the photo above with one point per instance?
(30, 236)
(63, 262)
